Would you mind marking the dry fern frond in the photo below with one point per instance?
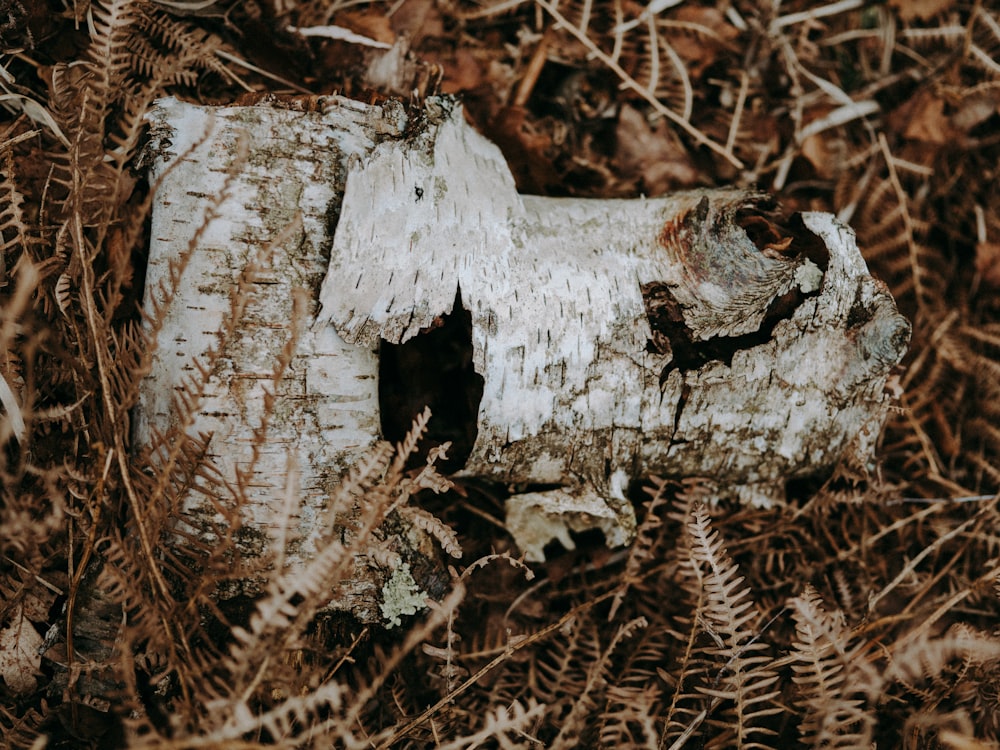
(634, 699)
(562, 672)
(431, 524)
(978, 355)
(485, 560)
(408, 446)
(592, 49)
(14, 423)
(894, 236)
(165, 40)
(687, 707)
(833, 677)
(631, 719)
(15, 235)
(20, 730)
(113, 24)
(449, 671)
(979, 694)
(256, 686)
(279, 619)
(937, 660)
(742, 673)
(83, 98)
(598, 675)
(647, 535)
(514, 719)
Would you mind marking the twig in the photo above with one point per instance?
(538, 59)
(913, 563)
(741, 98)
(817, 11)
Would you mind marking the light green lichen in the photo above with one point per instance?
(401, 596)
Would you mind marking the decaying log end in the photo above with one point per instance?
(578, 344)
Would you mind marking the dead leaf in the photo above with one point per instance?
(988, 262)
(19, 657)
(372, 25)
(923, 119)
(418, 19)
(653, 157)
(922, 9)
(976, 108)
(463, 73)
(697, 50)
(825, 154)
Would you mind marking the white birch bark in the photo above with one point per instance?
(288, 169)
(597, 326)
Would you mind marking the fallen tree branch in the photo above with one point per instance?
(582, 343)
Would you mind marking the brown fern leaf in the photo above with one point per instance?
(13, 396)
(294, 596)
(634, 698)
(85, 183)
(945, 36)
(598, 676)
(109, 49)
(937, 661)
(152, 64)
(82, 97)
(431, 524)
(980, 357)
(448, 671)
(978, 692)
(647, 535)
(485, 560)
(408, 446)
(499, 721)
(157, 619)
(592, 18)
(984, 48)
(561, 672)
(15, 235)
(21, 730)
(687, 707)
(832, 677)
(631, 718)
(676, 48)
(894, 237)
(277, 618)
(166, 41)
(743, 674)
(508, 687)
(125, 131)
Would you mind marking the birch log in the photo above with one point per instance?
(685, 335)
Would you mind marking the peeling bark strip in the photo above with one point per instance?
(683, 335)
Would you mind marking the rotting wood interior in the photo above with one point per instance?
(434, 368)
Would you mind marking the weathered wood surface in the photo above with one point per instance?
(614, 338)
